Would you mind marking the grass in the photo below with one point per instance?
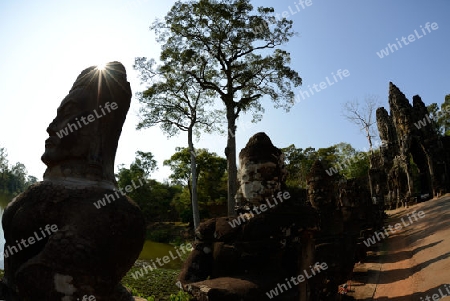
(159, 283)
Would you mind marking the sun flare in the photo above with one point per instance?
(101, 66)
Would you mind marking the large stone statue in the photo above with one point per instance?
(265, 247)
(59, 244)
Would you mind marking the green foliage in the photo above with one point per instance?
(180, 296)
(179, 164)
(153, 197)
(211, 179)
(170, 202)
(175, 102)
(433, 110)
(160, 235)
(14, 178)
(441, 116)
(227, 49)
(356, 162)
(159, 284)
(145, 163)
(349, 162)
(328, 155)
(298, 164)
(217, 41)
(445, 118)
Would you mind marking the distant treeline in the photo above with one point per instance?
(170, 201)
(13, 178)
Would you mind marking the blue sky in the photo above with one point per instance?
(46, 44)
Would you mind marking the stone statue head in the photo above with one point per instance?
(320, 186)
(262, 172)
(85, 132)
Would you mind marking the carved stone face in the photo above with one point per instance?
(262, 172)
(84, 135)
(258, 181)
(70, 137)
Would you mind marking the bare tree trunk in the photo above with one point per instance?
(195, 210)
(369, 139)
(230, 152)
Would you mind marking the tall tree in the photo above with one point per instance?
(211, 172)
(4, 169)
(210, 169)
(355, 163)
(31, 180)
(229, 49)
(18, 177)
(177, 103)
(298, 164)
(444, 118)
(441, 116)
(13, 179)
(363, 115)
(435, 114)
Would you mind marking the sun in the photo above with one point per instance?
(101, 66)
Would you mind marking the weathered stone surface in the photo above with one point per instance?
(345, 208)
(321, 192)
(262, 171)
(89, 249)
(388, 135)
(272, 240)
(92, 114)
(225, 289)
(199, 264)
(408, 133)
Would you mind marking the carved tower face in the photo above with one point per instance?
(84, 135)
(69, 136)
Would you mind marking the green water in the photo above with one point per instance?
(154, 250)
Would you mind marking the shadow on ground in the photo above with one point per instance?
(414, 296)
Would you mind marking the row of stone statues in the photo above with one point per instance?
(260, 254)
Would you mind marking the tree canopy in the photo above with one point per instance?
(340, 160)
(211, 177)
(441, 116)
(153, 197)
(171, 200)
(177, 103)
(13, 178)
(220, 45)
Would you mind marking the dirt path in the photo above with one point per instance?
(414, 262)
